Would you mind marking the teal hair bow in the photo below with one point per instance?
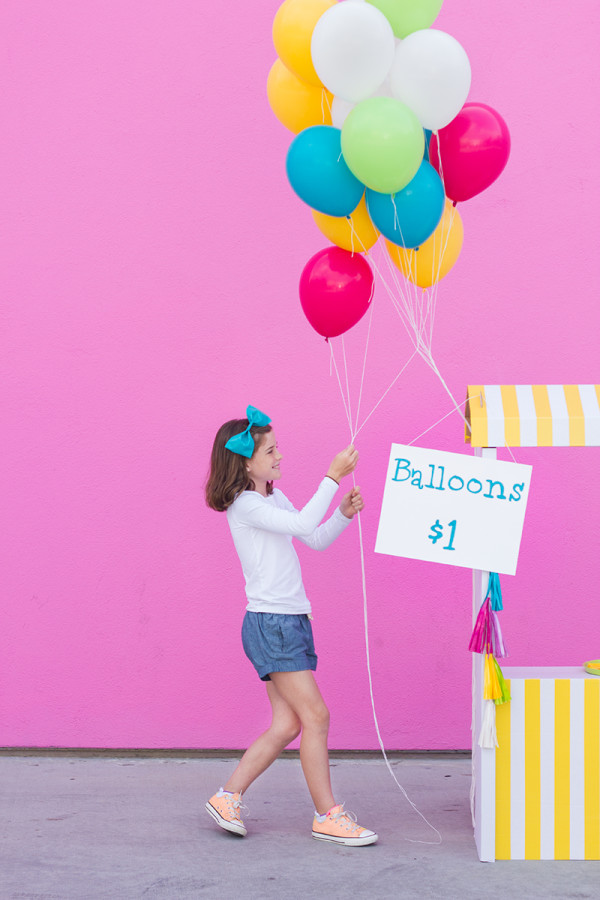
(243, 443)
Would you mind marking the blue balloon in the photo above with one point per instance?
(318, 172)
(409, 217)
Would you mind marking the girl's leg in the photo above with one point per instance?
(299, 690)
(284, 727)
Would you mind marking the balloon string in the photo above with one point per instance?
(417, 324)
(347, 383)
(341, 388)
(417, 316)
(457, 406)
(362, 377)
(367, 650)
(375, 720)
(385, 393)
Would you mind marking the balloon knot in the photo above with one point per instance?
(454, 202)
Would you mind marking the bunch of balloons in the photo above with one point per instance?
(385, 144)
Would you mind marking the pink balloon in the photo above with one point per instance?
(336, 288)
(474, 149)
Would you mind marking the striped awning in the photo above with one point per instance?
(533, 415)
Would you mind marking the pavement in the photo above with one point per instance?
(127, 827)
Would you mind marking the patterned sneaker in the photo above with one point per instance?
(340, 827)
(225, 810)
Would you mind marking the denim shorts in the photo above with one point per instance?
(278, 642)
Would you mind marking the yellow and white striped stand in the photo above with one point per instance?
(537, 795)
(547, 779)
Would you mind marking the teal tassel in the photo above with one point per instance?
(495, 591)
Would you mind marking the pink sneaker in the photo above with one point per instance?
(340, 827)
(225, 810)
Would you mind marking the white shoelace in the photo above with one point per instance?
(346, 814)
(236, 806)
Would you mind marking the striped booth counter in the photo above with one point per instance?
(548, 766)
(537, 795)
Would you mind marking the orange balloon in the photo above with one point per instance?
(436, 256)
(297, 104)
(355, 232)
(293, 26)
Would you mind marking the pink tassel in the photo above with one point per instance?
(481, 638)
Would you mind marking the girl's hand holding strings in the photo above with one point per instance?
(343, 464)
(352, 503)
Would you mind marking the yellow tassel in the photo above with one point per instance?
(491, 684)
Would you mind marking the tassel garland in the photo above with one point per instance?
(487, 639)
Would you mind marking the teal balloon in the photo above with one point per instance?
(318, 172)
(410, 216)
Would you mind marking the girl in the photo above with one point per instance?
(276, 631)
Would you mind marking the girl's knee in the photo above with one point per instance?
(317, 718)
(286, 730)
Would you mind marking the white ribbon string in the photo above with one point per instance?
(346, 402)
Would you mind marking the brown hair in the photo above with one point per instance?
(228, 474)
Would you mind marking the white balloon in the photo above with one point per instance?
(352, 49)
(431, 73)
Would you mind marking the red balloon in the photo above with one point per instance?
(474, 149)
(336, 288)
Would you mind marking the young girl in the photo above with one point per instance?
(276, 631)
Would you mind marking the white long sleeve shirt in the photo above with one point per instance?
(262, 529)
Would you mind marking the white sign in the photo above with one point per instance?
(453, 508)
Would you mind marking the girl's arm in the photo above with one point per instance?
(252, 509)
(326, 533)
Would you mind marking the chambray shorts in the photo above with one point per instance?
(278, 642)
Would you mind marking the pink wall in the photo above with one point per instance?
(151, 253)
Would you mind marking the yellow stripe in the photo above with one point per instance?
(477, 416)
(562, 771)
(597, 386)
(510, 406)
(592, 769)
(576, 418)
(543, 414)
(533, 792)
(503, 780)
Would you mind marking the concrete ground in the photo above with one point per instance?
(122, 828)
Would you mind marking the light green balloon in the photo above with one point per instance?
(406, 16)
(383, 144)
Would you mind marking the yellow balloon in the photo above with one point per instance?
(355, 232)
(296, 103)
(293, 26)
(436, 256)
